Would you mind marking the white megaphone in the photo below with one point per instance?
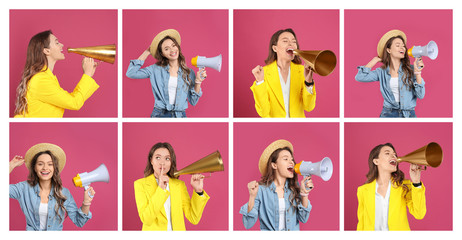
(322, 169)
(100, 174)
(201, 62)
(431, 51)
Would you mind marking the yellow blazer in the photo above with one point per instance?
(269, 101)
(150, 201)
(45, 97)
(397, 214)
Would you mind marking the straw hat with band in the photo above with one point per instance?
(169, 32)
(386, 37)
(42, 147)
(264, 158)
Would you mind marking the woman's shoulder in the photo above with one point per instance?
(175, 181)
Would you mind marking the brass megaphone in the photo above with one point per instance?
(104, 53)
(428, 155)
(322, 62)
(210, 163)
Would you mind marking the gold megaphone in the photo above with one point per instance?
(322, 62)
(210, 163)
(428, 155)
(104, 53)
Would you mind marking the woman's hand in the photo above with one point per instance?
(201, 75)
(197, 182)
(253, 189)
(89, 66)
(374, 61)
(308, 73)
(163, 180)
(258, 73)
(86, 198)
(145, 54)
(16, 162)
(418, 65)
(306, 185)
(414, 173)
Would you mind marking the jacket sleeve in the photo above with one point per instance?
(419, 89)
(360, 226)
(150, 206)
(16, 190)
(262, 103)
(135, 71)
(416, 202)
(78, 217)
(303, 213)
(48, 91)
(365, 74)
(193, 96)
(309, 100)
(194, 207)
(250, 218)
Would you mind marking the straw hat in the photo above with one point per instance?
(41, 147)
(169, 32)
(386, 37)
(262, 164)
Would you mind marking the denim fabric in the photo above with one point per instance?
(395, 113)
(266, 209)
(159, 82)
(162, 113)
(408, 97)
(29, 200)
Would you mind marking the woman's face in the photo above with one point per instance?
(161, 162)
(169, 50)
(285, 46)
(387, 160)
(55, 50)
(44, 167)
(284, 165)
(397, 49)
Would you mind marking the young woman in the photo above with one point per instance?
(384, 197)
(173, 83)
(162, 199)
(400, 83)
(277, 199)
(39, 93)
(284, 87)
(43, 199)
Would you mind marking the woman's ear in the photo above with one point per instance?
(274, 48)
(46, 51)
(274, 165)
(388, 50)
(375, 161)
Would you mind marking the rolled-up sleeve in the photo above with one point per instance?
(78, 217)
(193, 96)
(365, 74)
(135, 71)
(303, 213)
(250, 218)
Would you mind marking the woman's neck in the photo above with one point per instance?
(394, 64)
(284, 65)
(51, 64)
(173, 63)
(280, 181)
(383, 178)
(45, 185)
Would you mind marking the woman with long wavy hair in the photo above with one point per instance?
(43, 199)
(173, 83)
(400, 83)
(39, 93)
(278, 181)
(382, 200)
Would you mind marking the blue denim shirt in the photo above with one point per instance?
(29, 200)
(407, 97)
(159, 77)
(266, 209)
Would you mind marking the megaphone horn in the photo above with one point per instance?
(428, 155)
(323, 169)
(430, 50)
(201, 62)
(100, 174)
(322, 62)
(209, 163)
(104, 53)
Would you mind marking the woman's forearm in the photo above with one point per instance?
(144, 55)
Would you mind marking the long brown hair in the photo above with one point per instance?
(56, 183)
(163, 61)
(149, 170)
(36, 60)
(406, 66)
(270, 176)
(397, 177)
(272, 56)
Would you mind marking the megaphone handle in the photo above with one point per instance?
(308, 175)
(89, 194)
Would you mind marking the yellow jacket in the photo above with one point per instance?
(150, 201)
(45, 97)
(269, 101)
(397, 214)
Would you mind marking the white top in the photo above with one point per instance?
(43, 213)
(167, 207)
(285, 86)
(381, 209)
(172, 85)
(282, 214)
(394, 85)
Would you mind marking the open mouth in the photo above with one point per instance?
(45, 173)
(290, 51)
(290, 169)
(393, 162)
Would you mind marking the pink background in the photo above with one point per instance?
(315, 30)
(87, 146)
(191, 142)
(311, 142)
(363, 30)
(203, 32)
(405, 137)
(73, 28)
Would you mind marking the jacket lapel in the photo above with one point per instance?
(151, 186)
(274, 83)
